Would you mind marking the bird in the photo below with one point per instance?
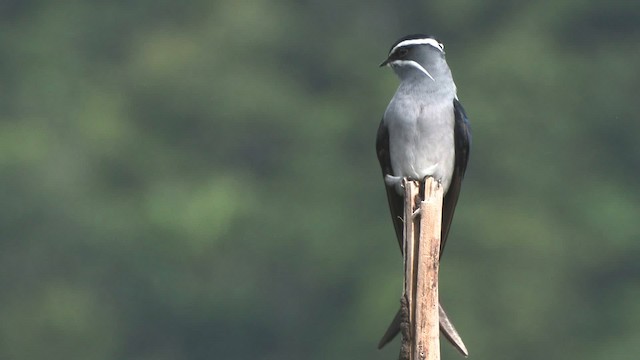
(424, 132)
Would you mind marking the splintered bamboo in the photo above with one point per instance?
(411, 195)
(421, 262)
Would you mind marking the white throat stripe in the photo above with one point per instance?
(415, 65)
(425, 41)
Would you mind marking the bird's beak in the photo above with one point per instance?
(385, 63)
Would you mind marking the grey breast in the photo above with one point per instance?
(421, 135)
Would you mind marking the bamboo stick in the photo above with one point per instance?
(421, 264)
(427, 340)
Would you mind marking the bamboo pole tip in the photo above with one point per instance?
(432, 188)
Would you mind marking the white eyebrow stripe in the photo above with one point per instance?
(426, 41)
(415, 65)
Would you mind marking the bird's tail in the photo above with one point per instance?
(392, 330)
(446, 327)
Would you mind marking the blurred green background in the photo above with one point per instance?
(198, 180)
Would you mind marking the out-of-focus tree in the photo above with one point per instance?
(197, 180)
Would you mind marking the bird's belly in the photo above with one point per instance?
(418, 162)
(423, 148)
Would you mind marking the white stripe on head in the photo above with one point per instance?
(414, 64)
(424, 41)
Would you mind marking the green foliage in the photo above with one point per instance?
(197, 180)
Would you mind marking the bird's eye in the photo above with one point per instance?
(403, 52)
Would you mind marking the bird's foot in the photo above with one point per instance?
(396, 182)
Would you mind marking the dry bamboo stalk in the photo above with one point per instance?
(421, 262)
(411, 193)
(426, 339)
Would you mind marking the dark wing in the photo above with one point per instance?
(396, 205)
(396, 202)
(462, 141)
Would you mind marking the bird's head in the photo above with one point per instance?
(418, 57)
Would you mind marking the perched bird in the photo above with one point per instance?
(424, 132)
